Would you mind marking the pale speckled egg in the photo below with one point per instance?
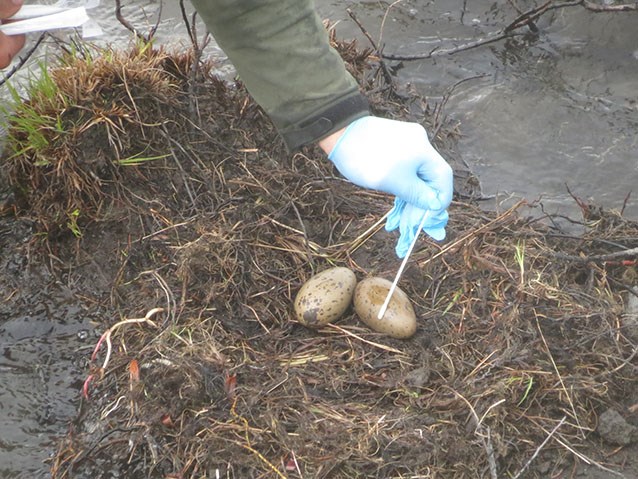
(325, 297)
(399, 321)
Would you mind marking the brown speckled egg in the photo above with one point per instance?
(325, 297)
(399, 321)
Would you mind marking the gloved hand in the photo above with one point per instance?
(396, 157)
(407, 218)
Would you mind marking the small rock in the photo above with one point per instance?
(418, 378)
(613, 428)
(543, 467)
(630, 318)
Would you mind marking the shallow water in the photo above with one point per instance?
(549, 112)
(559, 110)
(44, 339)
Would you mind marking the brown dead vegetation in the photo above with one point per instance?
(201, 371)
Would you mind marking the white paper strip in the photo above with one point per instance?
(32, 11)
(70, 18)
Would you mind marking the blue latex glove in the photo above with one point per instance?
(408, 217)
(396, 157)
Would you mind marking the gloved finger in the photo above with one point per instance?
(405, 240)
(436, 233)
(419, 193)
(435, 226)
(411, 216)
(437, 220)
(403, 243)
(394, 216)
(439, 176)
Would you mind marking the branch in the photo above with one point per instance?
(526, 19)
(594, 7)
(437, 52)
(191, 29)
(131, 28)
(531, 459)
(438, 109)
(628, 253)
(384, 68)
(23, 59)
(153, 30)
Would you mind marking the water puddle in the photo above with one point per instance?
(43, 342)
(552, 112)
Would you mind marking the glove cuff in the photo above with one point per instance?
(326, 121)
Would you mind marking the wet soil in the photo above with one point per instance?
(187, 266)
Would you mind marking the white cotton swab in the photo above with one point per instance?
(384, 307)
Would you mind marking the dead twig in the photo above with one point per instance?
(584, 458)
(483, 432)
(384, 68)
(385, 16)
(598, 258)
(153, 30)
(120, 18)
(23, 59)
(597, 8)
(528, 17)
(371, 343)
(496, 221)
(438, 109)
(525, 19)
(439, 52)
(624, 203)
(538, 450)
(560, 378)
(198, 51)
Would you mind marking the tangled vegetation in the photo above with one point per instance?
(172, 186)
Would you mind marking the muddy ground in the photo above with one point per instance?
(163, 201)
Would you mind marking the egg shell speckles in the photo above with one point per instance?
(399, 321)
(325, 297)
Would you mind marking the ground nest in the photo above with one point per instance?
(172, 187)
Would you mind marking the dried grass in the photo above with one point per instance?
(518, 334)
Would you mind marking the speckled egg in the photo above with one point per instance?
(325, 297)
(399, 321)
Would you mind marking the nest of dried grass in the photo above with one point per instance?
(86, 126)
(201, 372)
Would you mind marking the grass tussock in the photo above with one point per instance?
(86, 127)
(201, 370)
